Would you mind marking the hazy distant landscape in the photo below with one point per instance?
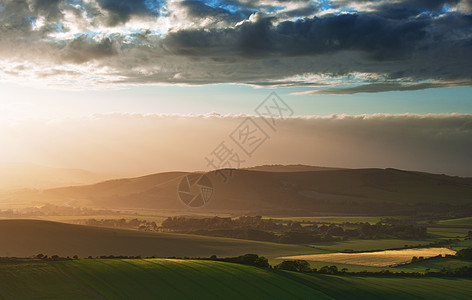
(235, 149)
(311, 225)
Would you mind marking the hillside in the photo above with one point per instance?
(291, 168)
(193, 279)
(25, 238)
(354, 191)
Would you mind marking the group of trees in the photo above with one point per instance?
(190, 223)
(304, 266)
(54, 257)
(123, 223)
(257, 228)
(247, 259)
(464, 254)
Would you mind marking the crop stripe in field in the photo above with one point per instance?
(229, 270)
(189, 278)
(372, 287)
(59, 268)
(216, 278)
(112, 264)
(155, 275)
(324, 288)
(412, 282)
(84, 269)
(437, 287)
(417, 283)
(232, 270)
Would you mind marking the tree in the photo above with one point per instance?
(294, 265)
(329, 270)
(336, 231)
(464, 253)
(253, 260)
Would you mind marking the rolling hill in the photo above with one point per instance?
(194, 279)
(26, 238)
(358, 191)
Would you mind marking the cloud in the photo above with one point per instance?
(199, 9)
(83, 48)
(139, 144)
(379, 87)
(120, 11)
(250, 42)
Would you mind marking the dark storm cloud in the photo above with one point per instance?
(84, 48)
(409, 44)
(198, 9)
(306, 10)
(48, 8)
(410, 8)
(378, 37)
(120, 11)
(378, 87)
(401, 44)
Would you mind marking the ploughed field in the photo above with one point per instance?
(202, 279)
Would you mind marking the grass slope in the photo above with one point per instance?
(192, 279)
(462, 221)
(147, 279)
(369, 245)
(351, 287)
(23, 238)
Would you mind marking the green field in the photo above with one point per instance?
(461, 221)
(447, 232)
(194, 279)
(25, 238)
(146, 279)
(352, 287)
(331, 219)
(369, 245)
(433, 264)
(461, 245)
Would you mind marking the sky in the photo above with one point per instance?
(131, 86)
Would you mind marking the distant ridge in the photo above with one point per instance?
(251, 191)
(291, 168)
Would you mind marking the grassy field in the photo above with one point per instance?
(25, 238)
(368, 245)
(447, 232)
(331, 219)
(192, 279)
(461, 245)
(146, 279)
(79, 219)
(375, 259)
(433, 264)
(461, 221)
(351, 287)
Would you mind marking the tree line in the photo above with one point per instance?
(290, 232)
